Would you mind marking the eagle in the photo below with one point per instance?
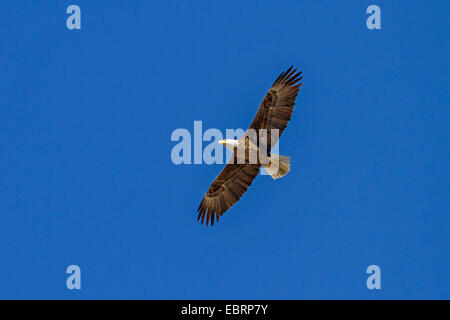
(238, 174)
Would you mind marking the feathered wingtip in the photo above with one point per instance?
(204, 211)
(289, 77)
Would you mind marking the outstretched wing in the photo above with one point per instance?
(226, 190)
(276, 108)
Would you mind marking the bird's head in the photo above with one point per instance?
(229, 143)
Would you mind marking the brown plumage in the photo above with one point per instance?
(274, 113)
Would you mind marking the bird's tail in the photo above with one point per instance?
(279, 166)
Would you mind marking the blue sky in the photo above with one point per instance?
(87, 178)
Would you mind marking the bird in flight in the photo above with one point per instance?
(252, 150)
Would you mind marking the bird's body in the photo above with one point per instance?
(252, 150)
(244, 149)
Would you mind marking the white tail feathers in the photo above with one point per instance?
(279, 166)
